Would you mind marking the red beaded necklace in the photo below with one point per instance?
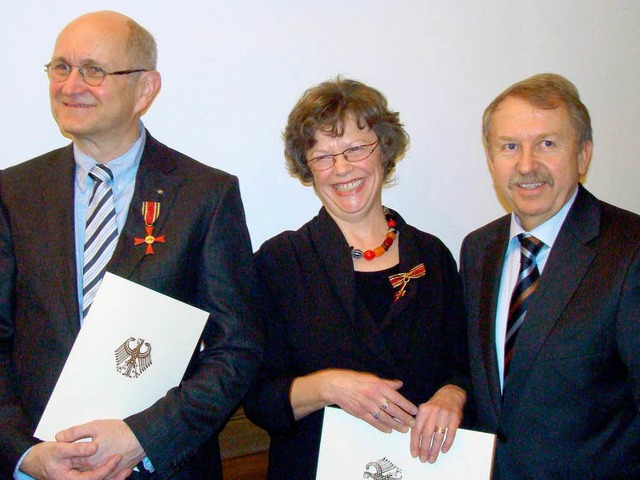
(386, 244)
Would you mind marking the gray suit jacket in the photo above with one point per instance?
(206, 261)
(571, 403)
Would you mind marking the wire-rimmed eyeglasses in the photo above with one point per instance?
(353, 154)
(91, 74)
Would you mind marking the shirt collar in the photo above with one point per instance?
(122, 167)
(547, 231)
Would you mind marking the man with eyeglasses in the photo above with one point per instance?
(102, 79)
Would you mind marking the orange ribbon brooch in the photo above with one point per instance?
(400, 280)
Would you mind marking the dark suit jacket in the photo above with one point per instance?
(571, 404)
(316, 320)
(206, 262)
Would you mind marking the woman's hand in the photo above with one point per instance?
(368, 397)
(437, 422)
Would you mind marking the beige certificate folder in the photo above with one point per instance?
(351, 448)
(133, 346)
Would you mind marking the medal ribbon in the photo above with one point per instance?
(401, 280)
(150, 213)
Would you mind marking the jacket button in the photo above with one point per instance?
(502, 438)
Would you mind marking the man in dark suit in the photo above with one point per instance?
(102, 79)
(554, 345)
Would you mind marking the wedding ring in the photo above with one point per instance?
(384, 406)
(376, 415)
(441, 430)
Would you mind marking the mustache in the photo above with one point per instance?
(535, 177)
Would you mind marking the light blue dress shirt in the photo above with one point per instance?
(124, 169)
(547, 232)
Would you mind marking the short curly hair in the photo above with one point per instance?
(325, 107)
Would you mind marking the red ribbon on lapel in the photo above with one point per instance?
(400, 280)
(150, 212)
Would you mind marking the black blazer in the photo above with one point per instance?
(316, 320)
(206, 261)
(571, 403)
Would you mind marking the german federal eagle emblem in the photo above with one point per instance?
(132, 359)
(383, 469)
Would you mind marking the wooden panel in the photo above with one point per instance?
(248, 467)
(241, 437)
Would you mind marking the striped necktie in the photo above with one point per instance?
(101, 234)
(530, 246)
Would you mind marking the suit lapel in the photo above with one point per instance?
(154, 182)
(568, 262)
(338, 266)
(56, 187)
(492, 266)
(325, 232)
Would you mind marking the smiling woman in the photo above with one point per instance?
(349, 188)
(379, 333)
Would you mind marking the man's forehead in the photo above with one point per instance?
(514, 108)
(84, 43)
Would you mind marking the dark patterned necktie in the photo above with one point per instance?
(100, 236)
(527, 280)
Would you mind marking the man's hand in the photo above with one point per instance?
(112, 437)
(55, 461)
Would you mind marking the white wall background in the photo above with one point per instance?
(232, 70)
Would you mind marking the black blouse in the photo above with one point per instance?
(375, 290)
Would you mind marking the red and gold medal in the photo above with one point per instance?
(150, 213)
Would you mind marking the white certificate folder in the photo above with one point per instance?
(351, 448)
(134, 345)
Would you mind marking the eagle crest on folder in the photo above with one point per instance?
(384, 470)
(131, 359)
